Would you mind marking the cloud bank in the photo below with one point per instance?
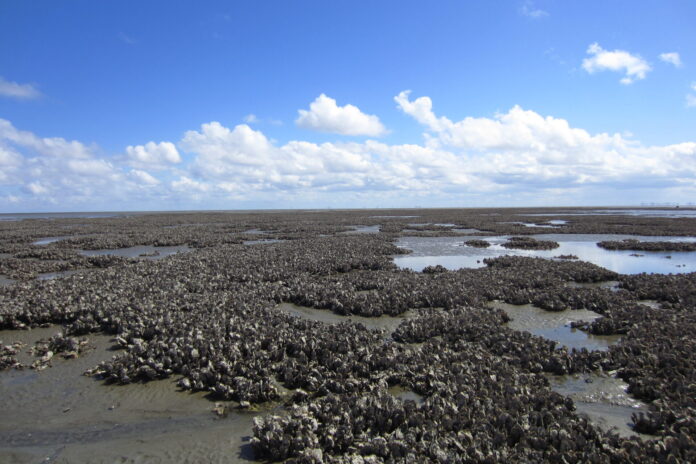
(515, 156)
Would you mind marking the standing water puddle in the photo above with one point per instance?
(466, 230)
(388, 323)
(48, 240)
(533, 224)
(602, 398)
(363, 230)
(451, 253)
(555, 325)
(404, 394)
(656, 213)
(140, 251)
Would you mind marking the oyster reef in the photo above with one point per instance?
(449, 335)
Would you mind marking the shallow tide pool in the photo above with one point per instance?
(602, 398)
(451, 253)
(555, 325)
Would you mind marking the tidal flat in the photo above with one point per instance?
(357, 336)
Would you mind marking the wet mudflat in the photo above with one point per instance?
(524, 358)
(61, 415)
(603, 398)
(556, 325)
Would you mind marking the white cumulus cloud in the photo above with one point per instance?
(324, 115)
(242, 156)
(518, 155)
(672, 58)
(524, 148)
(143, 177)
(36, 188)
(56, 147)
(633, 66)
(153, 155)
(67, 170)
(10, 162)
(15, 90)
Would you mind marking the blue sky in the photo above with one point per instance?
(304, 104)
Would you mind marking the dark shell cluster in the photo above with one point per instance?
(477, 243)
(209, 318)
(8, 356)
(530, 243)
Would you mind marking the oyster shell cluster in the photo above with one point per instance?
(637, 245)
(209, 318)
(530, 243)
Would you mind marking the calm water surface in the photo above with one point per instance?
(48, 240)
(555, 325)
(667, 213)
(602, 398)
(452, 254)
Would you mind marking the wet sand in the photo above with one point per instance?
(60, 415)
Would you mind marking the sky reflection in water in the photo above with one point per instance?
(450, 253)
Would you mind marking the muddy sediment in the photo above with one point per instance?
(316, 347)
